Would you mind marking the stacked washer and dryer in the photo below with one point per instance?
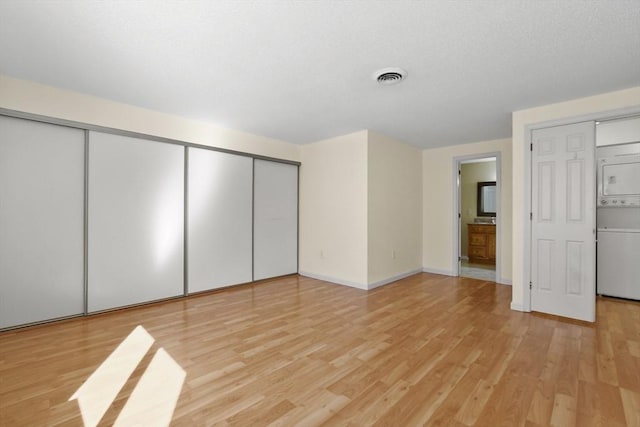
(618, 208)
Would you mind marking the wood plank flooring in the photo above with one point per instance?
(426, 350)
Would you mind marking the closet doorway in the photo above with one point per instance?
(477, 212)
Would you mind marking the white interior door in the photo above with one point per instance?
(563, 223)
(459, 219)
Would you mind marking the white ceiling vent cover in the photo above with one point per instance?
(390, 76)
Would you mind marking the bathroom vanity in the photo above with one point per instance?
(482, 243)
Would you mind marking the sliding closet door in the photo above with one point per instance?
(41, 221)
(136, 220)
(219, 219)
(275, 236)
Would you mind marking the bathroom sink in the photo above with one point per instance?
(485, 220)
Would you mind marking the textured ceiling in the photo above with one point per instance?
(300, 71)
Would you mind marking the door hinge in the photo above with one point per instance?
(459, 258)
(530, 216)
(530, 285)
(459, 215)
(531, 147)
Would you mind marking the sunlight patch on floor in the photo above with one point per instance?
(154, 398)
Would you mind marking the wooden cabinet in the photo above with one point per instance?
(482, 243)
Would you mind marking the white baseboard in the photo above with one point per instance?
(505, 282)
(388, 280)
(334, 280)
(437, 271)
(370, 286)
(517, 307)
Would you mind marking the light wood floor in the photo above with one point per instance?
(428, 349)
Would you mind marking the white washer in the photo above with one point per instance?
(619, 263)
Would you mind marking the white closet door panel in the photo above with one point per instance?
(41, 221)
(275, 219)
(136, 220)
(220, 219)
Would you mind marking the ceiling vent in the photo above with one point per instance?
(390, 76)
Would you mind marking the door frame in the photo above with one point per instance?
(457, 205)
(528, 229)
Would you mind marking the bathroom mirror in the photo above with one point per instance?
(487, 198)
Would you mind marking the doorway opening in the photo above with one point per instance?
(477, 213)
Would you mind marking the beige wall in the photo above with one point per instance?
(472, 173)
(360, 204)
(602, 106)
(333, 210)
(394, 208)
(48, 101)
(438, 205)
(346, 191)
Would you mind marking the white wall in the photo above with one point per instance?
(25, 96)
(438, 205)
(394, 208)
(601, 106)
(333, 210)
(472, 173)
